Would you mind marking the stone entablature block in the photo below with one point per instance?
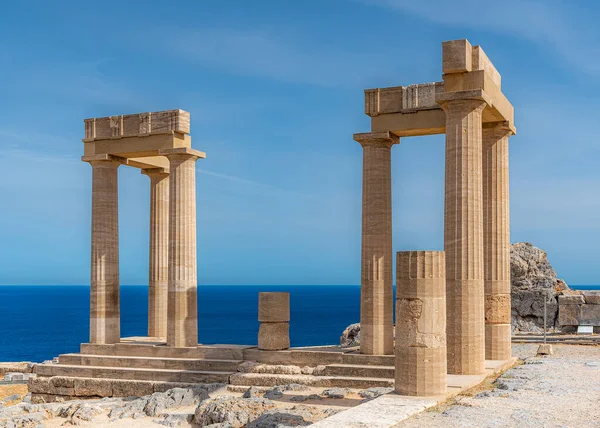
(136, 125)
(402, 99)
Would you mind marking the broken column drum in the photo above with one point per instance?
(274, 317)
(420, 351)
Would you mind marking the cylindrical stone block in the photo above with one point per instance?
(376, 299)
(274, 307)
(463, 237)
(182, 323)
(274, 336)
(496, 241)
(158, 276)
(420, 352)
(105, 322)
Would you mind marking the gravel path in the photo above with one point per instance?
(558, 391)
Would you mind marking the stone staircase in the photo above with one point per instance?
(134, 368)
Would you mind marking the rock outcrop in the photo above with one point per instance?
(533, 280)
(350, 336)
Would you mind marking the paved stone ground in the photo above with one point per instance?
(558, 391)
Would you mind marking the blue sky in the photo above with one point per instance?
(275, 91)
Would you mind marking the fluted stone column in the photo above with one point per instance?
(158, 276)
(105, 322)
(376, 296)
(463, 236)
(420, 323)
(182, 310)
(496, 241)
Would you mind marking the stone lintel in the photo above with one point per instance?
(129, 147)
(369, 138)
(421, 122)
(182, 151)
(135, 125)
(149, 162)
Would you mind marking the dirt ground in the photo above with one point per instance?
(12, 389)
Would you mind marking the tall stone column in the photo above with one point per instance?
(105, 321)
(158, 277)
(376, 296)
(420, 323)
(463, 236)
(496, 241)
(182, 310)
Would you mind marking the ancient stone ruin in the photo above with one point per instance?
(453, 307)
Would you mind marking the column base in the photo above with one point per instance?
(498, 342)
(420, 371)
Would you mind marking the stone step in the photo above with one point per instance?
(355, 370)
(193, 364)
(368, 360)
(158, 375)
(263, 379)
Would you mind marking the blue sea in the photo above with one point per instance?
(41, 322)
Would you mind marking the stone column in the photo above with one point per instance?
(158, 276)
(496, 241)
(420, 323)
(274, 318)
(182, 309)
(463, 236)
(105, 321)
(376, 296)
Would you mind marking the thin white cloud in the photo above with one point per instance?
(266, 55)
(250, 182)
(552, 25)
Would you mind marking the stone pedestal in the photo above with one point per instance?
(496, 242)
(463, 236)
(420, 352)
(376, 304)
(182, 310)
(274, 316)
(105, 322)
(158, 277)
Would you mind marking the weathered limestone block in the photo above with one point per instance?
(457, 56)
(273, 307)
(132, 388)
(571, 299)
(140, 124)
(569, 314)
(592, 297)
(420, 354)
(88, 387)
(274, 336)
(590, 315)
(497, 309)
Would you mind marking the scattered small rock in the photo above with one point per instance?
(173, 420)
(371, 393)
(336, 392)
(306, 397)
(232, 412)
(252, 392)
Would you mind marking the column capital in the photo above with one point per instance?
(155, 172)
(104, 160)
(497, 130)
(383, 139)
(185, 152)
(474, 98)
